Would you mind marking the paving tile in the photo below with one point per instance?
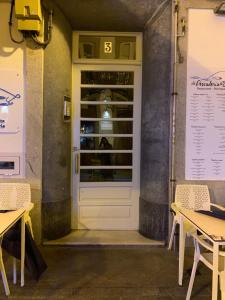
(109, 274)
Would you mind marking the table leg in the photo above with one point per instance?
(181, 251)
(22, 248)
(14, 271)
(222, 285)
(2, 268)
(215, 271)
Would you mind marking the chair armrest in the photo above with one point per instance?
(217, 206)
(174, 208)
(28, 206)
(202, 241)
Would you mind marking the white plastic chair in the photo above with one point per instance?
(189, 196)
(201, 243)
(14, 196)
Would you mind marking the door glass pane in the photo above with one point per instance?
(112, 94)
(96, 143)
(107, 77)
(106, 159)
(98, 175)
(106, 127)
(106, 111)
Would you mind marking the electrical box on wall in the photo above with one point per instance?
(29, 14)
(67, 109)
(9, 165)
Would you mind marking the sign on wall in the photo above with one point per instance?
(205, 103)
(11, 101)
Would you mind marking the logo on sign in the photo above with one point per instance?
(7, 98)
(108, 47)
(214, 80)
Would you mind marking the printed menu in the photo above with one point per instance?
(205, 98)
(205, 126)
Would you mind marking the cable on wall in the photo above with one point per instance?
(182, 34)
(157, 13)
(172, 171)
(11, 23)
(49, 32)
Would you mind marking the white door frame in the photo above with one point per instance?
(135, 184)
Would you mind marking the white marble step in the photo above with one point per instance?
(102, 237)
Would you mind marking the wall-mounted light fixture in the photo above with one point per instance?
(220, 9)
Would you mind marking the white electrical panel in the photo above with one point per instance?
(10, 165)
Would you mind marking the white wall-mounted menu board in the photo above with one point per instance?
(205, 103)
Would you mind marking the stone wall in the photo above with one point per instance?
(56, 202)
(34, 130)
(155, 127)
(155, 123)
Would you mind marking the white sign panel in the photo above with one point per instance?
(11, 101)
(205, 104)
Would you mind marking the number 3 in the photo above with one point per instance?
(108, 47)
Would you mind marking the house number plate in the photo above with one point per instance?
(108, 47)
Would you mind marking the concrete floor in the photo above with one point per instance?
(109, 273)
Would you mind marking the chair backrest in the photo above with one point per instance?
(192, 196)
(14, 195)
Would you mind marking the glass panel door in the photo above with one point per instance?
(106, 140)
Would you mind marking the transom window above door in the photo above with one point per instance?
(107, 46)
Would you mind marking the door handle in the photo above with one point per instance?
(77, 163)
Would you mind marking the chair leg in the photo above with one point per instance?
(23, 242)
(222, 284)
(193, 272)
(4, 278)
(14, 271)
(182, 239)
(28, 221)
(172, 234)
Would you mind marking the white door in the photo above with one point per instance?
(106, 146)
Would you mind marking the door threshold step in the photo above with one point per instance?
(104, 238)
